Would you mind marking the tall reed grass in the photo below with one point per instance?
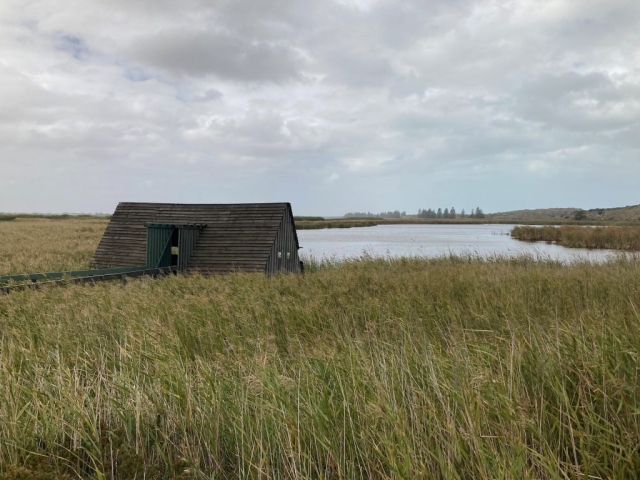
(377, 368)
(454, 367)
(616, 238)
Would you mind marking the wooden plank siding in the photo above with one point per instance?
(286, 243)
(237, 236)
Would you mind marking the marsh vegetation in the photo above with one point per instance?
(455, 367)
(614, 238)
(337, 223)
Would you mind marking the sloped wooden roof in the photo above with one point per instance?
(237, 236)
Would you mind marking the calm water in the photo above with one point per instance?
(431, 241)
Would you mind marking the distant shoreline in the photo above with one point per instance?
(351, 223)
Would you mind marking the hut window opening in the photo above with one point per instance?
(174, 247)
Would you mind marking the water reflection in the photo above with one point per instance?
(433, 241)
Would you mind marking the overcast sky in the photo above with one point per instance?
(334, 106)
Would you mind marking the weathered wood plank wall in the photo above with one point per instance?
(237, 236)
(286, 245)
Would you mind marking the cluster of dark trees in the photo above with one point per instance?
(394, 214)
(426, 213)
(430, 213)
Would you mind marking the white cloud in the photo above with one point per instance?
(412, 102)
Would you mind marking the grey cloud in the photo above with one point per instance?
(219, 54)
(359, 68)
(272, 20)
(591, 102)
(571, 84)
(598, 25)
(211, 94)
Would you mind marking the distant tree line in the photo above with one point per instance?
(394, 214)
(422, 213)
(450, 213)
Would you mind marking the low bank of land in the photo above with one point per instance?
(372, 222)
(550, 216)
(408, 368)
(615, 238)
(338, 223)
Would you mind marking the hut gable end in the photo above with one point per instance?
(284, 252)
(236, 236)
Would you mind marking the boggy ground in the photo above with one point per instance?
(410, 368)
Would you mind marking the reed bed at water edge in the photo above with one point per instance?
(454, 367)
(321, 224)
(615, 238)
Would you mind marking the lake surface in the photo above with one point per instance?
(432, 241)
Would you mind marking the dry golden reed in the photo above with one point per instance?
(42, 245)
